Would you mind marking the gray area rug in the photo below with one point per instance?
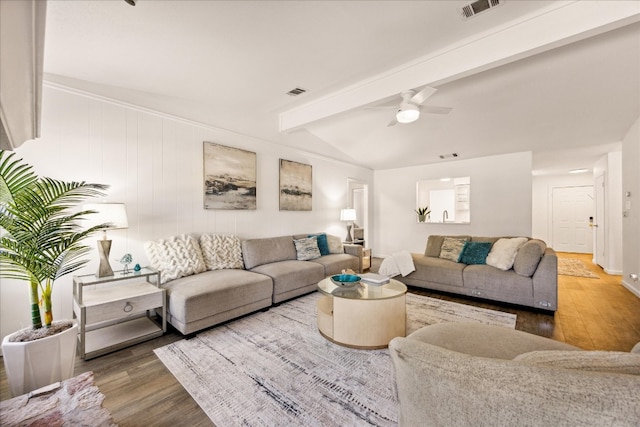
(275, 369)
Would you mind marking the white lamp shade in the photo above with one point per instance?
(407, 114)
(112, 213)
(348, 215)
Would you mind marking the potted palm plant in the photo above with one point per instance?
(41, 240)
(423, 213)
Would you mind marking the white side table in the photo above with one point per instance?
(118, 311)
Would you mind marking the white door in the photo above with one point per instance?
(572, 209)
(599, 222)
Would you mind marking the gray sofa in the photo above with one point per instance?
(532, 280)
(467, 374)
(204, 290)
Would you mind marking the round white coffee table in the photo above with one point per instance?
(364, 316)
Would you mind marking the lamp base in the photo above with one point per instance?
(348, 238)
(104, 248)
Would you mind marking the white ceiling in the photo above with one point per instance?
(229, 64)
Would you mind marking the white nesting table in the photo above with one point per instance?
(365, 316)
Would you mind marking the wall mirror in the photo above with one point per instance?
(448, 200)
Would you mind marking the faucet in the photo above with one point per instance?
(445, 215)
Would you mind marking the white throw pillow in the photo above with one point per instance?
(175, 257)
(221, 251)
(335, 244)
(503, 252)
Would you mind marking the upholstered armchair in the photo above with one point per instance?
(467, 374)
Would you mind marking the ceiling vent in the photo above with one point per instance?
(296, 91)
(472, 9)
(448, 156)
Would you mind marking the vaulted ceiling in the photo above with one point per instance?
(561, 79)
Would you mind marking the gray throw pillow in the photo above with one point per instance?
(434, 245)
(528, 257)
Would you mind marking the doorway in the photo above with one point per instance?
(358, 196)
(572, 215)
(600, 223)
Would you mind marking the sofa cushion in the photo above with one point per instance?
(528, 257)
(494, 283)
(264, 251)
(475, 252)
(221, 251)
(323, 243)
(335, 244)
(199, 296)
(290, 276)
(307, 248)
(598, 361)
(503, 252)
(434, 245)
(335, 263)
(175, 257)
(452, 247)
(438, 270)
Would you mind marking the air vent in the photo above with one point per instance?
(448, 156)
(297, 91)
(472, 9)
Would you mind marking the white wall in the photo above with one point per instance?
(501, 201)
(543, 186)
(631, 220)
(154, 165)
(610, 166)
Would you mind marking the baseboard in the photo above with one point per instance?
(613, 272)
(631, 288)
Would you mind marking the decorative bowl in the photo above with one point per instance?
(345, 279)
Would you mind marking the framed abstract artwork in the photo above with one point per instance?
(229, 177)
(295, 186)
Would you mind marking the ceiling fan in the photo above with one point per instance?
(409, 109)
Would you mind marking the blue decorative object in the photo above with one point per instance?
(137, 268)
(345, 279)
(126, 260)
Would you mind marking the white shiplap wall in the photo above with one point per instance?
(153, 164)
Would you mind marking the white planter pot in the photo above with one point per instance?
(34, 364)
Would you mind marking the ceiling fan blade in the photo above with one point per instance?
(422, 96)
(393, 122)
(432, 109)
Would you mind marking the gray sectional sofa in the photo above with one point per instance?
(531, 281)
(211, 279)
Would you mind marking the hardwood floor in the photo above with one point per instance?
(595, 314)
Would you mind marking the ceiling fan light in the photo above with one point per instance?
(408, 114)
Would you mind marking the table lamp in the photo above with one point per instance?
(348, 215)
(115, 215)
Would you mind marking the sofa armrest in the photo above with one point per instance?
(545, 282)
(357, 251)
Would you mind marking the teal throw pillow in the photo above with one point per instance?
(323, 243)
(475, 253)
